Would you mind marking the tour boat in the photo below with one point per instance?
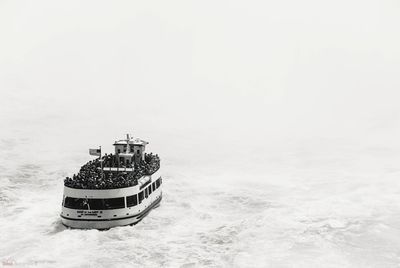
(114, 189)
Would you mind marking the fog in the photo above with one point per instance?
(277, 124)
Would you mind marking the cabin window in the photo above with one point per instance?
(158, 182)
(140, 197)
(114, 203)
(146, 192)
(150, 191)
(94, 204)
(119, 151)
(75, 203)
(153, 185)
(131, 200)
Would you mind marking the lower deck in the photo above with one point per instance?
(103, 209)
(106, 223)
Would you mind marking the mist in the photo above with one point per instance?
(277, 124)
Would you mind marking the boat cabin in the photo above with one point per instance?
(130, 150)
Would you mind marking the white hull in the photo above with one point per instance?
(105, 224)
(128, 214)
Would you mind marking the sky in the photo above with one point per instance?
(246, 69)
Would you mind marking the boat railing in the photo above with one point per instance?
(117, 169)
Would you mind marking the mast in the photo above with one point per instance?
(127, 143)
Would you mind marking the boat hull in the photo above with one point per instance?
(107, 208)
(108, 223)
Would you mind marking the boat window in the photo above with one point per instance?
(150, 191)
(75, 203)
(153, 185)
(94, 204)
(158, 182)
(113, 203)
(131, 200)
(146, 192)
(140, 197)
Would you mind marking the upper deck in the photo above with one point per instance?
(119, 170)
(109, 173)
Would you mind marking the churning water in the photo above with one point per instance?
(337, 208)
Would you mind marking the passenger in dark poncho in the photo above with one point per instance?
(90, 176)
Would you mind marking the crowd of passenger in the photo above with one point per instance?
(92, 176)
